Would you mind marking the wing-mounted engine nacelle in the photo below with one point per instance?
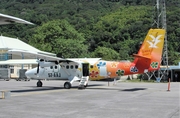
(43, 63)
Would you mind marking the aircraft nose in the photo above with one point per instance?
(29, 73)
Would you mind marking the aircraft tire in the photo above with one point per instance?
(67, 85)
(39, 84)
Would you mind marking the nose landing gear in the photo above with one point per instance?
(39, 83)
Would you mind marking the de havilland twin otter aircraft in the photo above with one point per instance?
(84, 69)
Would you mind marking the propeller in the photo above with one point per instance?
(38, 69)
(39, 60)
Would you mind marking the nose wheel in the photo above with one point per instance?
(39, 83)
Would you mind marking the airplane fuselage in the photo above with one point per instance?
(96, 70)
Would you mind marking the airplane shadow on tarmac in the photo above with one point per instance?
(134, 89)
(92, 86)
(47, 88)
(119, 89)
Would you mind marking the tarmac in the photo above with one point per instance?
(99, 100)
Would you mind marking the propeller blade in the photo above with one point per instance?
(38, 68)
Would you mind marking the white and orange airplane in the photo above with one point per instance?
(84, 69)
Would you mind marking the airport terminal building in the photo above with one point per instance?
(11, 64)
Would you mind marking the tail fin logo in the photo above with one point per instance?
(154, 42)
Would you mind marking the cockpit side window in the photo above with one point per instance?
(51, 67)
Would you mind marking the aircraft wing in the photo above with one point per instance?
(7, 19)
(38, 55)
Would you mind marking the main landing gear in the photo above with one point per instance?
(39, 83)
(67, 85)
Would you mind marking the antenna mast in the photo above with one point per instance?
(160, 22)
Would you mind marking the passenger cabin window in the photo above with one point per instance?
(72, 66)
(51, 67)
(67, 67)
(76, 66)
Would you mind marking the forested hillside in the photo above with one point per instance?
(110, 29)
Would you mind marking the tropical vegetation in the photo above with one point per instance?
(109, 29)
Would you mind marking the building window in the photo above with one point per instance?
(12, 69)
(5, 56)
(4, 66)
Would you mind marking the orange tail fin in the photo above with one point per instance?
(150, 53)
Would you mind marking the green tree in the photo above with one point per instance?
(104, 23)
(59, 37)
(174, 58)
(105, 53)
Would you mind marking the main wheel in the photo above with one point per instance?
(39, 84)
(67, 85)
